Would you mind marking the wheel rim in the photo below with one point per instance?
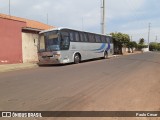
(77, 59)
(105, 55)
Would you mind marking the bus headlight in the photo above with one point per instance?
(56, 55)
(66, 60)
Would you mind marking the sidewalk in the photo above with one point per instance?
(125, 54)
(135, 52)
(13, 67)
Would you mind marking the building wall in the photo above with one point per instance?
(10, 41)
(29, 47)
(127, 50)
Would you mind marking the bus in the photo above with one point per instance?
(64, 45)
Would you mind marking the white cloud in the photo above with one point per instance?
(123, 8)
(69, 12)
(128, 16)
(61, 13)
(143, 33)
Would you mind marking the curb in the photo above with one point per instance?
(14, 67)
(115, 56)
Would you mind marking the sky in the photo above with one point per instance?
(127, 16)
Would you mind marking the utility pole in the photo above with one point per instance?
(149, 29)
(103, 22)
(82, 24)
(9, 8)
(156, 38)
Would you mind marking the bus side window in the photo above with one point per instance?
(71, 34)
(85, 37)
(65, 41)
(108, 39)
(77, 39)
(103, 39)
(98, 38)
(91, 37)
(82, 37)
(111, 40)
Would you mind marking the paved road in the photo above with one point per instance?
(124, 83)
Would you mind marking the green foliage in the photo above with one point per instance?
(158, 48)
(121, 38)
(132, 44)
(141, 41)
(141, 44)
(154, 46)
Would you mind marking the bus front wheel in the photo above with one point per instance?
(77, 58)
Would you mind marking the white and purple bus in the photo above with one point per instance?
(64, 45)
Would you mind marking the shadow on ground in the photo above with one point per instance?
(67, 64)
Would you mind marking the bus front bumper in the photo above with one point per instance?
(48, 61)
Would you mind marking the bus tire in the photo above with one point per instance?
(77, 59)
(105, 55)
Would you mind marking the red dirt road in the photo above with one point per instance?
(127, 83)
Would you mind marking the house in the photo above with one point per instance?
(19, 38)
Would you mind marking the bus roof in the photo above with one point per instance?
(62, 28)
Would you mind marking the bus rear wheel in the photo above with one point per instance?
(77, 58)
(105, 55)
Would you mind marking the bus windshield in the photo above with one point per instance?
(49, 42)
(54, 41)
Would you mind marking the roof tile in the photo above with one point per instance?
(30, 23)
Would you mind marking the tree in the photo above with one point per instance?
(141, 41)
(120, 40)
(131, 45)
(158, 47)
(154, 46)
(141, 44)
